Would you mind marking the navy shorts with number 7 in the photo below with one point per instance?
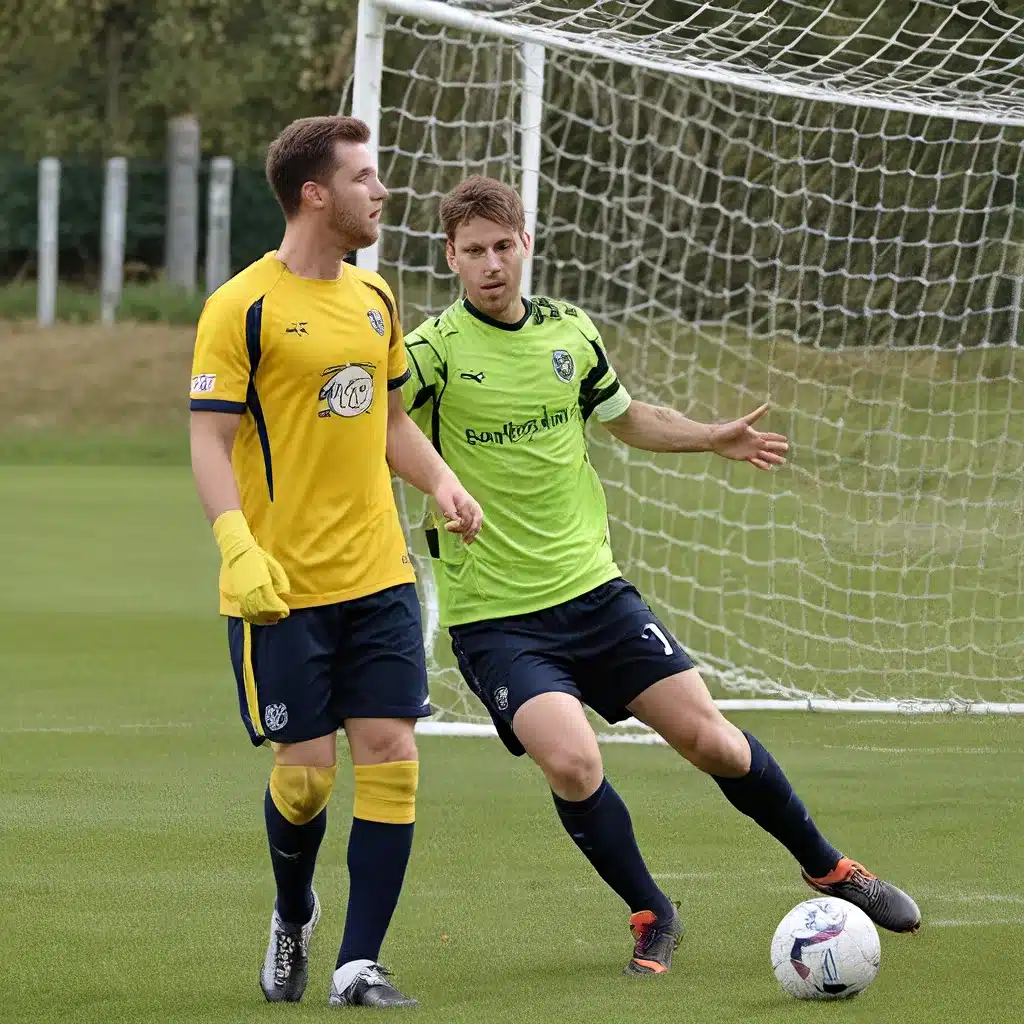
(605, 648)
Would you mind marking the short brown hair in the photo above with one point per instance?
(304, 151)
(482, 197)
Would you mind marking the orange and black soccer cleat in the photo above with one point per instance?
(655, 942)
(887, 906)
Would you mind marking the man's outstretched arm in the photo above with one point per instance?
(655, 428)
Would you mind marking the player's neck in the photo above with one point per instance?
(512, 314)
(307, 253)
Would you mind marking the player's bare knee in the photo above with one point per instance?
(721, 749)
(381, 740)
(573, 774)
(320, 752)
(390, 748)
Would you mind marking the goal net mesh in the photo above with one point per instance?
(757, 201)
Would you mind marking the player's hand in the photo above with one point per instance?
(250, 576)
(257, 581)
(461, 512)
(741, 441)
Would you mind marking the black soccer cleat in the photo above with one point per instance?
(887, 906)
(365, 983)
(286, 966)
(655, 942)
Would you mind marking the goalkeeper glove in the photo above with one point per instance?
(249, 576)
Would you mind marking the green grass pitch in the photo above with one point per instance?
(137, 886)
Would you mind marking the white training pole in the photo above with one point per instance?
(218, 223)
(47, 246)
(115, 208)
(369, 67)
(531, 112)
(182, 245)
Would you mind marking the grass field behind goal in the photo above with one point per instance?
(136, 881)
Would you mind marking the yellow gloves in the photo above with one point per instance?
(249, 576)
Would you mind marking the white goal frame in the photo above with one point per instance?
(366, 105)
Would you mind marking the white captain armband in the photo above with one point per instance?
(614, 405)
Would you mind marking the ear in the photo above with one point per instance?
(449, 251)
(313, 194)
(527, 242)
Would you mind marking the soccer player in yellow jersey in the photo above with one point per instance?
(297, 418)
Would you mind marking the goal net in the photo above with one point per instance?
(820, 205)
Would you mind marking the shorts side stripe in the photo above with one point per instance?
(249, 680)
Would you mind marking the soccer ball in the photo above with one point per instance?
(825, 949)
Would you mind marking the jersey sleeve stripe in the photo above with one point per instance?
(431, 391)
(387, 303)
(420, 344)
(589, 386)
(421, 397)
(424, 392)
(397, 382)
(216, 405)
(414, 364)
(589, 401)
(593, 378)
(253, 342)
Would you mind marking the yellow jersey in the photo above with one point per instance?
(308, 364)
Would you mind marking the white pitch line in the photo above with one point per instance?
(971, 897)
(1013, 922)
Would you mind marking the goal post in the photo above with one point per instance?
(758, 200)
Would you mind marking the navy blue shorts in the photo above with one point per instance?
(302, 677)
(605, 648)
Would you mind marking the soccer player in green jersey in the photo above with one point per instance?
(541, 620)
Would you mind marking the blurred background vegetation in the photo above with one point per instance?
(786, 216)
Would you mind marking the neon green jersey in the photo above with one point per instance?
(506, 405)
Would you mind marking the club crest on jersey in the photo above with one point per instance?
(565, 368)
(349, 392)
(376, 321)
(275, 716)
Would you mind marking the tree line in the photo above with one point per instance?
(102, 77)
(715, 202)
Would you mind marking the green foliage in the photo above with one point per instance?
(160, 303)
(101, 77)
(791, 217)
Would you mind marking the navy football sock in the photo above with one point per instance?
(378, 853)
(601, 827)
(293, 850)
(765, 795)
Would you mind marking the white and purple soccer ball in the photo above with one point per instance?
(825, 948)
